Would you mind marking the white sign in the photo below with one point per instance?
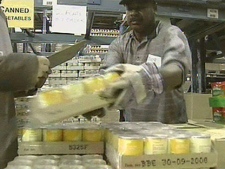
(69, 19)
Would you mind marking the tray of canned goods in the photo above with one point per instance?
(156, 145)
(57, 104)
(61, 139)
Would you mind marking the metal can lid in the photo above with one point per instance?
(72, 127)
(180, 136)
(201, 135)
(130, 136)
(157, 136)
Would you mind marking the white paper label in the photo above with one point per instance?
(154, 59)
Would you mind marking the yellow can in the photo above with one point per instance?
(156, 144)
(52, 134)
(131, 145)
(201, 143)
(115, 137)
(72, 134)
(179, 144)
(94, 84)
(111, 77)
(95, 134)
(52, 97)
(31, 134)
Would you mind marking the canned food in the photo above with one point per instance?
(21, 162)
(93, 134)
(179, 144)
(219, 115)
(74, 91)
(45, 167)
(130, 145)
(111, 77)
(52, 97)
(52, 134)
(31, 134)
(156, 144)
(71, 157)
(65, 162)
(19, 167)
(93, 156)
(72, 134)
(218, 88)
(26, 157)
(50, 157)
(98, 166)
(201, 143)
(93, 85)
(46, 162)
(94, 161)
(72, 167)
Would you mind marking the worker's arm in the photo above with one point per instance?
(172, 76)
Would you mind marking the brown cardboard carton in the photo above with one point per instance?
(198, 106)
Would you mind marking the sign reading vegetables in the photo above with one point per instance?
(19, 13)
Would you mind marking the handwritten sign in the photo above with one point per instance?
(69, 19)
(20, 13)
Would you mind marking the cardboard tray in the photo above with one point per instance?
(164, 161)
(41, 148)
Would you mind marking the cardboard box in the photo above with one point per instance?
(197, 106)
(164, 161)
(220, 148)
(35, 148)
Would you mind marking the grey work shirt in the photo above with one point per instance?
(169, 43)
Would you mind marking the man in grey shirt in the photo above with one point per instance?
(159, 54)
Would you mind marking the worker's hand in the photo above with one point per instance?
(43, 70)
(135, 84)
(122, 91)
(99, 113)
(129, 88)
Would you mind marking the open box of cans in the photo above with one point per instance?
(86, 138)
(156, 145)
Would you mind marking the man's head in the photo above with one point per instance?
(140, 14)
